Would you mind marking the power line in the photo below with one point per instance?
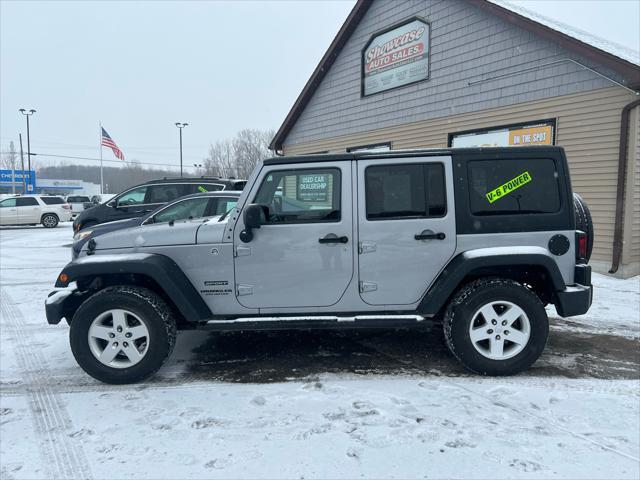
(97, 159)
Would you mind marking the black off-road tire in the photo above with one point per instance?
(149, 307)
(49, 220)
(468, 300)
(584, 222)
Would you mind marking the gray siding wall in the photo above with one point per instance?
(467, 44)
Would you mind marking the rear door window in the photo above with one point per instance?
(508, 187)
(164, 193)
(405, 191)
(26, 202)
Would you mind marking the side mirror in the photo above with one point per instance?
(111, 204)
(253, 217)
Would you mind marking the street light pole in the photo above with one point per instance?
(28, 114)
(180, 127)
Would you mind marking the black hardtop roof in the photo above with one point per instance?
(504, 152)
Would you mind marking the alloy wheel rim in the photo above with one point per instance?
(49, 221)
(118, 338)
(500, 330)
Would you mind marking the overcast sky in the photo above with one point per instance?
(139, 67)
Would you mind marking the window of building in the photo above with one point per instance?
(502, 187)
(26, 202)
(381, 147)
(301, 196)
(539, 132)
(405, 191)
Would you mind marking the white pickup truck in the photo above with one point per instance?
(78, 203)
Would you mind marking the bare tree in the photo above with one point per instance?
(221, 160)
(239, 156)
(9, 158)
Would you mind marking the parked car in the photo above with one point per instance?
(191, 207)
(143, 199)
(481, 239)
(78, 203)
(34, 209)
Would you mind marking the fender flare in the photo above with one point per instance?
(471, 261)
(162, 269)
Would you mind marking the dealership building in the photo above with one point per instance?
(438, 73)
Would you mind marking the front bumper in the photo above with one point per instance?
(54, 305)
(63, 303)
(576, 299)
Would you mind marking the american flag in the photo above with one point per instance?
(108, 142)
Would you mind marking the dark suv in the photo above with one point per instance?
(142, 199)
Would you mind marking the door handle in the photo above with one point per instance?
(333, 238)
(429, 235)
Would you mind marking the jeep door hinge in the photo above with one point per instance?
(368, 287)
(244, 290)
(242, 251)
(366, 247)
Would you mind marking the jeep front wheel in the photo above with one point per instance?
(496, 326)
(122, 334)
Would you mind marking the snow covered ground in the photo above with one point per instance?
(313, 405)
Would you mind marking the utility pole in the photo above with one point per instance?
(12, 159)
(180, 127)
(28, 114)
(24, 185)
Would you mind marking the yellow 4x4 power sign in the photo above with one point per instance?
(508, 187)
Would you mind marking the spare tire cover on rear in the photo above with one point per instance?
(583, 221)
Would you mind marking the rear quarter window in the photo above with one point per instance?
(511, 187)
(53, 200)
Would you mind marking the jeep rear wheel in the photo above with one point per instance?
(122, 334)
(496, 326)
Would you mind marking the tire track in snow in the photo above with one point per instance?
(63, 454)
(547, 421)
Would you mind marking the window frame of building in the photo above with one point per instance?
(380, 147)
(552, 122)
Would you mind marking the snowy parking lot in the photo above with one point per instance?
(369, 404)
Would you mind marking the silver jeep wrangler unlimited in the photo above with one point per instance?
(481, 239)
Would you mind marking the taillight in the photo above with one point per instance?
(581, 247)
(66, 206)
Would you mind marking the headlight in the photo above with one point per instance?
(80, 235)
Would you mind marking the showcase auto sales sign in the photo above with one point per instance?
(397, 57)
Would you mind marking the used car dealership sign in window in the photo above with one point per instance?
(397, 57)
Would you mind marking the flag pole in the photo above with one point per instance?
(101, 174)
